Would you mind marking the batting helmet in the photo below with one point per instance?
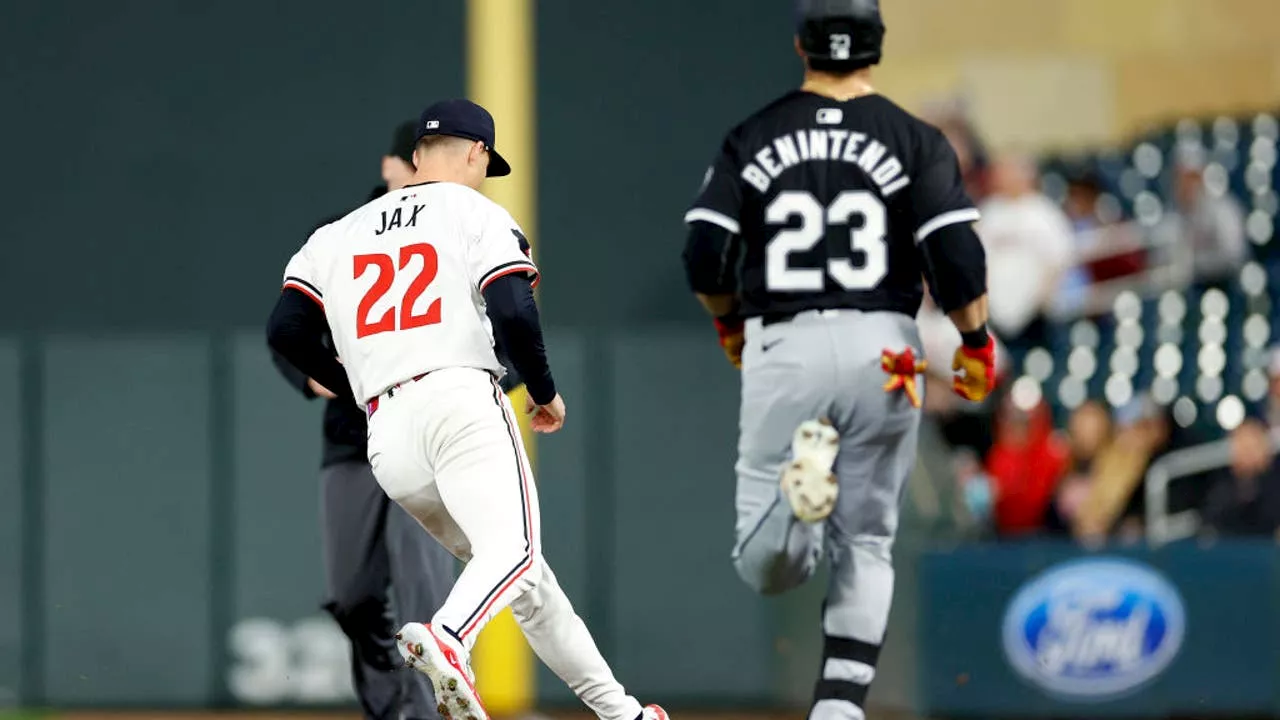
(843, 32)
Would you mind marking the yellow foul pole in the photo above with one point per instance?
(500, 76)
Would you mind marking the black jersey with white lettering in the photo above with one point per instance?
(829, 200)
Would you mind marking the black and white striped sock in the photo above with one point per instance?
(848, 667)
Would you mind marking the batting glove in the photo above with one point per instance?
(903, 368)
(976, 370)
(732, 337)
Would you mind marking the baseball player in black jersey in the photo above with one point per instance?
(808, 243)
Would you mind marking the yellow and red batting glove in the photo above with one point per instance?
(975, 368)
(732, 337)
(903, 369)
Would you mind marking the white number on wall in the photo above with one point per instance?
(305, 662)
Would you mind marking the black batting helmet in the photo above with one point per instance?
(840, 32)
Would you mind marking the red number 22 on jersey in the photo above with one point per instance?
(382, 283)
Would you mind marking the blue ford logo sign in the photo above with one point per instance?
(1094, 629)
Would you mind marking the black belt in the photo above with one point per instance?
(767, 319)
(774, 318)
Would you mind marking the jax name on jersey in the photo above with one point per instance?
(827, 145)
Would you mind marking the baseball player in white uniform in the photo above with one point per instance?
(413, 286)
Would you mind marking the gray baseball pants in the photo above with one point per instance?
(826, 364)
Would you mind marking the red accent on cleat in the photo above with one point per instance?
(452, 658)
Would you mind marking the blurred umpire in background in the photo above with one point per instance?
(808, 243)
(381, 569)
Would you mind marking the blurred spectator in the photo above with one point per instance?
(1081, 202)
(951, 116)
(1114, 503)
(1089, 433)
(1245, 499)
(1206, 221)
(1082, 210)
(1029, 248)
(1106, 248)
(1025, 463)
(974, 499)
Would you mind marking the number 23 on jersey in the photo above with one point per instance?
(782, 276)
(385, 268)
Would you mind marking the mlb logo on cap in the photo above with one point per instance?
(465, 119)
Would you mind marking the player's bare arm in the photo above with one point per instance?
(545, 418)
(320, 390)
(718, 305)
(971, 317)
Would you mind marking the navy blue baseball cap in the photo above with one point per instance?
(465, 119)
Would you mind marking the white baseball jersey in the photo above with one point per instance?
(400, 281)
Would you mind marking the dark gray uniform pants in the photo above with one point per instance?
(382, 570)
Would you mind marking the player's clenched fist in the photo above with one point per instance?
(545, 418)
(975, 370)
(732, 338)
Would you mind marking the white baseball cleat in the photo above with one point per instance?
(654, 712)
(807, 481)
(434, 655)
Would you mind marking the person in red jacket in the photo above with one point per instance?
(1025, 464)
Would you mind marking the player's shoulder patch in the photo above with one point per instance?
(523, 241)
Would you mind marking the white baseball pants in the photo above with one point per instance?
(447, 449)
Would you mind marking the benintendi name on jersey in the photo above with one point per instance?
(826, 144)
